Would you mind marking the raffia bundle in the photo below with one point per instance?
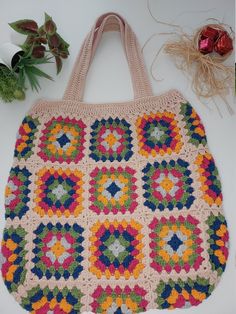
(210, 75)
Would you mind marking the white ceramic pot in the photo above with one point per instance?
(2, 62)
(8, 52)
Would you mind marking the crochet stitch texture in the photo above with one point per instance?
(113, 208)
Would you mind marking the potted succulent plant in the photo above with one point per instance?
(19, 64)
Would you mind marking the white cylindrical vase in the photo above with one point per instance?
(3, 63)
(10, 54)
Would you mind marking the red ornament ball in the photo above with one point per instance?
(214, 39)
(224, 44)
(210, 32)
(206, 45)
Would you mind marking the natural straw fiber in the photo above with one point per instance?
(210, 76)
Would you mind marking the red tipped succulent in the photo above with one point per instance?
(40, 37)
(38, 51)
(49, 26)
(25, 27)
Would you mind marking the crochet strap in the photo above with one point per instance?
(109, 22)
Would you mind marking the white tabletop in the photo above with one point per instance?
(74, 19)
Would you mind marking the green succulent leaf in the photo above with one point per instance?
(34, 83)
(26, 27)
(28, 68)
(37, 72)
(43, 60)
(33, 73)
(21, 79)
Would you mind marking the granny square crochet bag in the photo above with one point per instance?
(113, 207)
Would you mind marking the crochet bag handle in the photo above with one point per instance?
(109, 22)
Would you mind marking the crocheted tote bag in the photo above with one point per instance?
(113, 207)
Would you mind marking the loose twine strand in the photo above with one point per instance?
(210, 76)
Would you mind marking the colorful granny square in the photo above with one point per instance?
(111, 140)
(158, 134)
(218, 241)
(113, 190)
(119, 300)
(58, 251)
(26, 137)
(52, 301)
(194, 126)
(14, 261)
(17, 193)
(59, 192)
(62, 140)
(116, 249)
(209, 178)
(182, 293)
(168, 185)
(175, 244)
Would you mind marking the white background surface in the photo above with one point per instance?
(74, 19)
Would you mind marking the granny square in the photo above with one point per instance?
(113, 190)
(57, 251)
(62, 140)
(176, 244)
(119, 300)
(111, 140)
(25, 138)
(14, 261)
(168, 185)
(209, 179)
(182, 293)
(17, 192)
(158, 134)
(58, 301)
(59, 192)
(218, 242)
(194, 126)
(116, 249)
